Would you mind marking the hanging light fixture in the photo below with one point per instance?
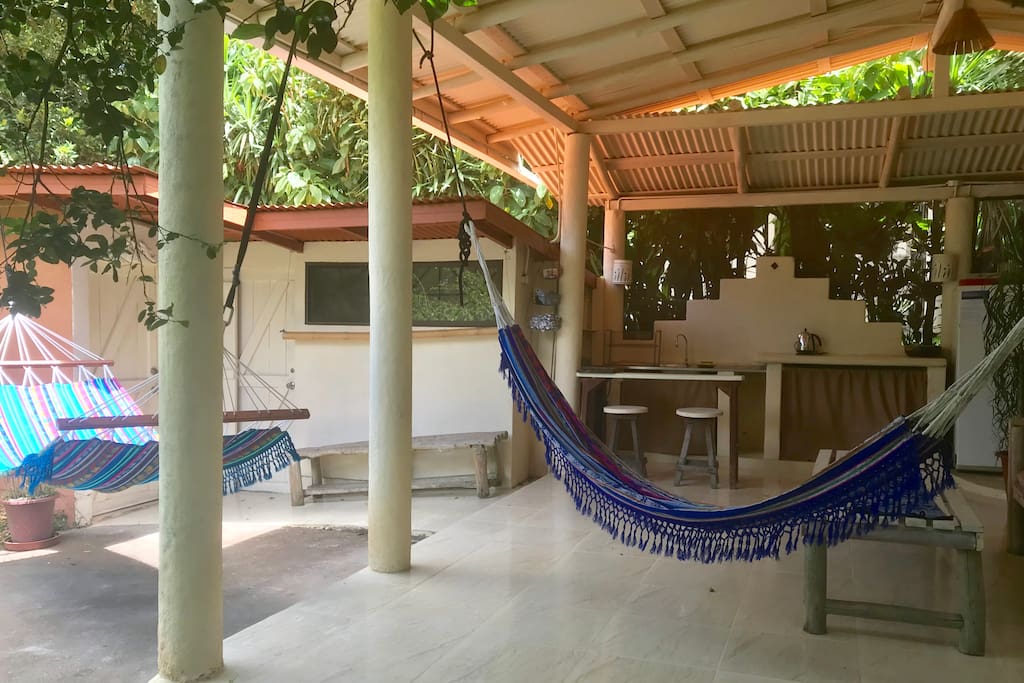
(964, 33)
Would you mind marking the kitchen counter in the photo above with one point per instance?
(934, 368)
(726, 379)
(859, 361)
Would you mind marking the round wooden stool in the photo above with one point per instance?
(632, 415)
(709, 418)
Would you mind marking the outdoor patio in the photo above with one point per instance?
(527, 589)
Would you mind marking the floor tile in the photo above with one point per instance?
(659, 639)
(620, 669)
(794, 657)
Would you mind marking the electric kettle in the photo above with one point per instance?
(807, 342)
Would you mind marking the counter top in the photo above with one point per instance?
(677, 374)
(865, 361)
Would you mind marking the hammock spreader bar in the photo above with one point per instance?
(71, 424)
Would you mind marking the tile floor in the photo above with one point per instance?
(526, 589)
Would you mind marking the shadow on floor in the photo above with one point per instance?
(85, 613)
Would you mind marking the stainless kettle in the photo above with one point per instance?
(807, 342)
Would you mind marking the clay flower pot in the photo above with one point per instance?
(30, 523)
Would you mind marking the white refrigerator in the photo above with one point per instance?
(975, 440)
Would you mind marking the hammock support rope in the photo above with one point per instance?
(896, 471)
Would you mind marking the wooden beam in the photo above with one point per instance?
(739, 146)
(670, 37)
(818, 196)
(940, 75)
(602, 39)
(490, 69)
(847, 16)
(70, 424)
(946, 12)
(481, 111)
(794, 115)
(817, 7)
(681, 159)
(495, 13)
(669, 97)
(364, 335)
(892, 150)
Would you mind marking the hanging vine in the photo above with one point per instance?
(95, 56)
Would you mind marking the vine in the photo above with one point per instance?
(107, 52)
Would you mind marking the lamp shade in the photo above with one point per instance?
(622, 272)
(964, 33)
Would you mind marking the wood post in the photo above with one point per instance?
(190, 627)
(972, 582)
(571, 284)
(815, 587)
(1014, 506)
(390, 264)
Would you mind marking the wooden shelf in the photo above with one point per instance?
(441, 333)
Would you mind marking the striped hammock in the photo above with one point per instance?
(100, 465)
(29, 414)
(898, 470)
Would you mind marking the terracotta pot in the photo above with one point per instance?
(30, 519)
(1004, 459)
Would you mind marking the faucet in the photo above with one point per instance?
(686, 349)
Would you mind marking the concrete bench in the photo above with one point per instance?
(482, 445)
(960, 530)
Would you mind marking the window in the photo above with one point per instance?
(339, 294)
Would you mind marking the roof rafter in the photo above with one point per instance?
(495, 13)
(808, 114)
(669, 98)
(494, 71)
(847, 16)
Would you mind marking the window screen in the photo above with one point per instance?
(339, 294)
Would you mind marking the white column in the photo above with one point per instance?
(190, 631)
(959, 241)
(614, 248)
(571, 284)
(390, 110)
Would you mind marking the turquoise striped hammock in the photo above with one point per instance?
(896, 471)
(45, 378)
(250, 456)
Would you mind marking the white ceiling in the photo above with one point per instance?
(517, 75)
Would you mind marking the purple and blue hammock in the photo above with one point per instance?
(894, 473)
(46, 380)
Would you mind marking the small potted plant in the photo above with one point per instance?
(29, 518)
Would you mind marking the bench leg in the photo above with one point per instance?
(815, 587)
(295, 484)
(972, 634)
(483, 484)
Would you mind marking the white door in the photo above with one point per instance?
(259, 319)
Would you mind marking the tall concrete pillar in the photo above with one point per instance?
(614, 248)
(390, 111)
(190, 629)
(959, 241)
(571, 284)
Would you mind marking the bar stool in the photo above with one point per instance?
(632, 415)
(709, 418)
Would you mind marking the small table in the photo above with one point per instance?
(959, 529)
(726, 381)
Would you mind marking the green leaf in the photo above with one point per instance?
(248, 31)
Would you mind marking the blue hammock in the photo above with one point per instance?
(250, 456)
(896, 471)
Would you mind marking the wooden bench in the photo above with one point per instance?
(960, 530)
(480, 443)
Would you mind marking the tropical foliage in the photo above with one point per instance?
(875, 252)
(73, 81)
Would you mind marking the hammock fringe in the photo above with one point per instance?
(249, 457)
(856, 505)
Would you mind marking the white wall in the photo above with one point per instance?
(764, 314)
(456, 384)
